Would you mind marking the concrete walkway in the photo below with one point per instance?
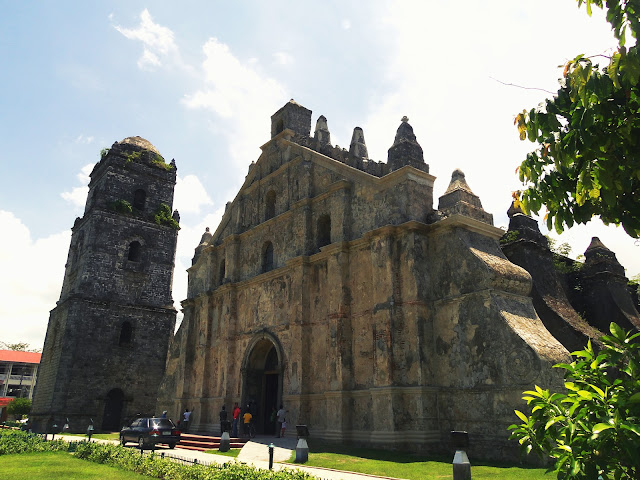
(255, 452)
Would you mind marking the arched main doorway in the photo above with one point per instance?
(262, 382)
(113, 410)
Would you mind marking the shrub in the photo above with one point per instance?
(19, 407)
(592, 430)
(121, 206)
(154, 466)
(15, 441)
(163, 217)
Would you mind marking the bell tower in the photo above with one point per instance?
(107, 339)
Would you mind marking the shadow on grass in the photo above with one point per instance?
(322, 446)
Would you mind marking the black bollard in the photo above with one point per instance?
(271, 456)
(461, 464)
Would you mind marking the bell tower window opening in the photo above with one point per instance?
(222, 271)
(135, 252)
(139, 199)
(126, 334)
(267, 257)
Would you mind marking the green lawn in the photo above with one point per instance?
(103, 436)
(234, 452)
(402, 465)
(58, 466)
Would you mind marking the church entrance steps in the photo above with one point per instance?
(202, 443)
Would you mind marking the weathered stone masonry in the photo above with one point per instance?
(107, 338)
(334, 286)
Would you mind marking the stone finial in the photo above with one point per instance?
(458, 182)
(514, 210)
(206, 237)
(358, 148)
(599, 258)
(405, 149)
(404, 119)
(460, 199)
(322, 134)
(173, 163)
(596, 244)
(176, 216)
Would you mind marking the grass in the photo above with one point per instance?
(410, 466)
(58, 466)
(234, 452)
(102, 436)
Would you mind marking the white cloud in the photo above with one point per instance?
(190, 195)
(31, 280)
(239, 93)
(345, 24)
(81, 139)
(78, 195)
(283, 58)
(157, 42)
(188, 239)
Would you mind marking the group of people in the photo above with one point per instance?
(247, 418)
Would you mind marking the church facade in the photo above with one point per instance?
(335, 287)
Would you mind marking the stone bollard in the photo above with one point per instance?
(225, 442)
(302, 451)
(461, 464)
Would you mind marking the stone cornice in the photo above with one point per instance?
(468, 223)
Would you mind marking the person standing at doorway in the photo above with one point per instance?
(247, 421)
(236, 419)
(186, 417)
(280, 415)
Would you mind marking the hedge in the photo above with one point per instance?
(150, 465)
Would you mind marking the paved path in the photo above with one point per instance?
(256, 453)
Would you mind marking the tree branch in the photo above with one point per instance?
(520, 86)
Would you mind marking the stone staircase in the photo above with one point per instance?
(201, 443)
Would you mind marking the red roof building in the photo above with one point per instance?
(18, 373)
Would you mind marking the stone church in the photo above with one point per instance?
(333, 286)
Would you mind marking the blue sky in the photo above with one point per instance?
(200, 81)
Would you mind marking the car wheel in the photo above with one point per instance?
(123, 442)
(141, 443)
(172, 445)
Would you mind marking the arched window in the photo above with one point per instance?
(222, 271)
(139, 199)
(324, 231)
(270, 207)
(135, 251)
(126, 333)
(267, 257)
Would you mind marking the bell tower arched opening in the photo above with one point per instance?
(262, 381)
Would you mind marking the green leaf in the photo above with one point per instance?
(634, 428)
(522, 416)
(616, 331)
(600, 427)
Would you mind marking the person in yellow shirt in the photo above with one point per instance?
(246, 418)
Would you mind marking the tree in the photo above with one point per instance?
(593, 429)
(587, 162)
(20, 347)
(19, 407)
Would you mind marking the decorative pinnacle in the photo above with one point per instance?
(405, 119)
